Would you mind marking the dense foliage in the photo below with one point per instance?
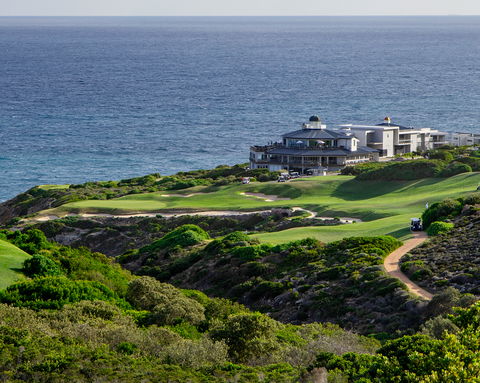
(418, 358)
(55, 292)
(443, 162)
(449, 258)
(447, 209)
(115, 237)
(72, 326)
(404, 170)
(302, 281)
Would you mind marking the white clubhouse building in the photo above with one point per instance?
(315, 148)
(391, 139)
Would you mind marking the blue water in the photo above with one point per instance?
(109, 98)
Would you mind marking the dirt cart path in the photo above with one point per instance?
(392, 264)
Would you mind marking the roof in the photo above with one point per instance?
(317, 134)
(321, 152)
(393, 125)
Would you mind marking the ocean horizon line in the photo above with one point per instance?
(244, 16)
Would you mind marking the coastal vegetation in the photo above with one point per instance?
(50, 196)
(80, 315)
(449, 259)
(264, 297)
(444, 162)
(385, 206)
(297, 282)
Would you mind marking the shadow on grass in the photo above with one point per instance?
(354, 190)
(400, 232)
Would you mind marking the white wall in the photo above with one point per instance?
(388, 139)
(274, 168)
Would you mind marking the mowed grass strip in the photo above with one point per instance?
(386, 206)
(397, 226)
(11, 259)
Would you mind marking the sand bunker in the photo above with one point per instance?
(312, 214)
(182, 195)
(265, 197)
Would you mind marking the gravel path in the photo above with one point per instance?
(392, 265)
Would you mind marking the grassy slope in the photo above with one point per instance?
(387, 206)
(11, 259)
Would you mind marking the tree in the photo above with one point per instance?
(167, 304)
(247, 335)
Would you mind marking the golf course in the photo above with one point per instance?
(11, 259)
(385, 207)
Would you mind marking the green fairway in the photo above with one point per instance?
(385, 206)
(53, 187)
(11, 259)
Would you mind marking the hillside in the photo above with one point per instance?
(385, 206)
(79, 316)
(258, 297)
(297, 282)
(450, 259)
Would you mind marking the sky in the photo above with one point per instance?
(236, 7)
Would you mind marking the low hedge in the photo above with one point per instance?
(439, 227)
(392, 171)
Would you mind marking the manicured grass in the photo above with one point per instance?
(53, 187)
(11, 259)
(386, 206)
(396, 226)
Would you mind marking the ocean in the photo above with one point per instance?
(111, 98)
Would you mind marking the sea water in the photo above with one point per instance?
(110, 98)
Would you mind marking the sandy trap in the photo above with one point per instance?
(265, 197)
(182, 195)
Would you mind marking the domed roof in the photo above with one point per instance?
(314, 119)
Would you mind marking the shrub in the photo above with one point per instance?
(443, 155)
(167, 304)
(472, 199)
(247, 335)
(440, 211)
(455, 168)
(439, 227)
(55, 292)
(40, 266)
(406, 170)
(473, 162)
(183, 236)
(30, 241)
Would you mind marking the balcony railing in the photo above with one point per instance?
(299, 147)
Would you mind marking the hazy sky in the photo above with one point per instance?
(238, 7)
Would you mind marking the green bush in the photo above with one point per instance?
(55, 292)
(455, 168)
(472, 199)
(183, 236)
(247, 335)
(440, 211)
(31, 241)
(473, 162)
(40, 266)
(168, 305)
(443, 155)
(405, 170)
(439, 227)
